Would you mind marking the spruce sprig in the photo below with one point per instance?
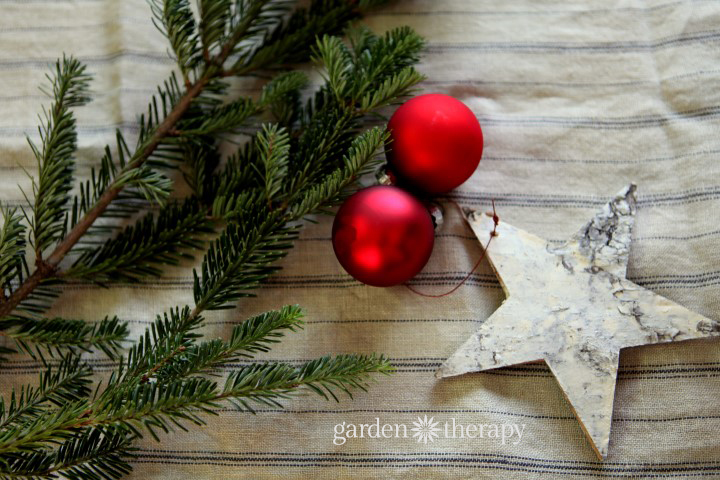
(162, 238)
(69, 381)
(12, 250)
(57, 336)
(255, 37)
(244, 212)
(95, 454)
(56, 164)
(174, 402)
(256, 334)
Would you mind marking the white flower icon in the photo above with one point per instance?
(425, 429)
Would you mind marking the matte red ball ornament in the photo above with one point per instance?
(383, 236)
(436, 143)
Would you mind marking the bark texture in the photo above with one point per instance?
(572, 307)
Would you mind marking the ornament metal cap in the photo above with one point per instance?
(436, 213)
(386, 177)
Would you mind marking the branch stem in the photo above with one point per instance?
(213, 69)
(48, 267)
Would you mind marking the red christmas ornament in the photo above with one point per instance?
(436, 143)
(383, 236)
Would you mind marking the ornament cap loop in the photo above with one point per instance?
(385, 177)
(437, 214)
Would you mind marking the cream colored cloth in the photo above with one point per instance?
(576, 99)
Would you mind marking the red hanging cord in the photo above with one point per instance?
(496, 221)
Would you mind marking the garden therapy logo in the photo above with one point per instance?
(428, 430)
(425, 429)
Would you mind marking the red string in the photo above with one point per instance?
(493, 234)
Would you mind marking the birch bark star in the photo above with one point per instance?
(573, 307)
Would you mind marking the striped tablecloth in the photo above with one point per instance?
(576, 99)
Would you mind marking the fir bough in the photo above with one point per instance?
(244, 212)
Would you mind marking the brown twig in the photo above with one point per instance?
(49, 267)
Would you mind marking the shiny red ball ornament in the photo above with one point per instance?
(383, 236)
(436, 143)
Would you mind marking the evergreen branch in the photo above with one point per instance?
(307, 162)
(323, 140)
(50, 426)
(175, 20)
(330, 133)
(269, 383)
(68, 382)
(255, 334)
(236, 187)
(184, 363)
(343, 373)
(360, 159)
(273, 145)
(214, 18)
(287, 42)
(130, 174)
(241, 258)
(251, 18)
(282, 96)
(278, 89)
(261, 383)
(361, 39)
(152, 185)
(12, 250)
(37, 302)
(201, 158)
(55, 157)
(157, 144)
(156, 406)
(26, 464)
(148, 146)
(93, 454)
(220, 119)
(378, 70)
(167, 350)
(334, 55)
(99, 182)
(167, 337)
(374, 72)
(56, 335)
(389, 55)
(230, 205)
(398, 85)
(161, 239)
(236, 262)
